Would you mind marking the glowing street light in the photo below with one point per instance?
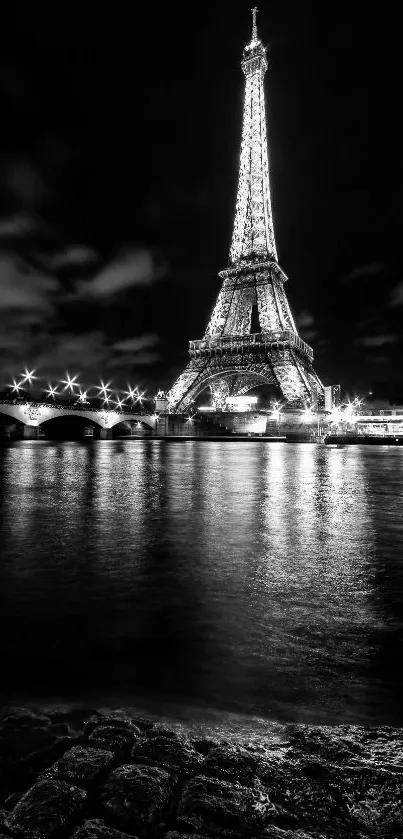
(83, 396)
(104, 389)
(52, 392)
(132, 393)
(119, 403)
(70, 382)
(28, 376)
(15, 387)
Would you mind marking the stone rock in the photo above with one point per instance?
(374, 801)
(211, 805)
(3, 816)
(116, 721)
(313, 800)
(29, 742)
(81, 766)
(158, 729)
(97, 829)
(204, 745)
(138, 796)
(173, 834)
(172, 752)
(12, 800)
(233, 763)
(273, 832)
(46, 808)
(114, 739)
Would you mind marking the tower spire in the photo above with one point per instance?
(254, 25)
(253, 234)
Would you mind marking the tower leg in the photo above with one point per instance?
(183, 391)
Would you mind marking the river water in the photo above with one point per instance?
(252, 578)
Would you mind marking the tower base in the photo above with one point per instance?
(234, 374)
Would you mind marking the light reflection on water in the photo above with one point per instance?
(258, 578)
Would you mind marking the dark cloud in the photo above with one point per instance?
(370, 270)
(376, 340)
(129, 268)
(397, 295)
(305, 320)
(137, 344)
(74, 258)
(22, 287)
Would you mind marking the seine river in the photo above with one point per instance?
(258, 579)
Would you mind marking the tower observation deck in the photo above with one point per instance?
(231, 358)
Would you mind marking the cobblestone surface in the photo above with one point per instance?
(87, 775)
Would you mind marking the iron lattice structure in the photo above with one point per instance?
(251, 338)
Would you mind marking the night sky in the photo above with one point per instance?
(121, 128)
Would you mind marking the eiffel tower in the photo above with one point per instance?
(251, 338)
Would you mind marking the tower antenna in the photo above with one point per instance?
(254, 24)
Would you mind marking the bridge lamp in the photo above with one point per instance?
(70, 382)
(119, 403)
(132, 393)
(15, 388)
(104, 389)
(28, 376)
(52, 391)
(276, 413)
(82, 396)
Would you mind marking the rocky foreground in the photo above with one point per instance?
(89, 775)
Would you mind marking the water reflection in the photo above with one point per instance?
(232, 574)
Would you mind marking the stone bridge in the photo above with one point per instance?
(33, 414)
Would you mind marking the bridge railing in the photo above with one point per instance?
(126, 409)
(256, 339)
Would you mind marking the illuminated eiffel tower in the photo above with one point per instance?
(251, 338)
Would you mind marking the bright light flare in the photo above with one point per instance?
(307, 416)
(276, 411)
(52, 391)
(336, 415)
(83, 396)
(132, 393)
(15, 387)
(119, 403)
(104, 389)
(348, 413)
(28, 376)
(70, 382)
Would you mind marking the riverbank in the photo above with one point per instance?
(91, 774)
